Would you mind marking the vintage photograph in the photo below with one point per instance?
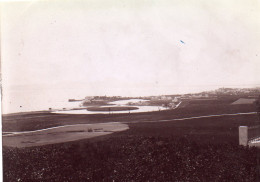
(130, 90)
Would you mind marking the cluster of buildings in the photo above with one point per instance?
(236, 91)
(165, 101)
(95, 99)
(195, 96)
(245, 92)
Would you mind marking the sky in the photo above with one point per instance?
(130, 47)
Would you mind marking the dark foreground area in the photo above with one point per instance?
(204, 149)
(130, 158)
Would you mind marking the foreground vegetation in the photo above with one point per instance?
(131, 159)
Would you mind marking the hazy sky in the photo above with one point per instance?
(131, 47)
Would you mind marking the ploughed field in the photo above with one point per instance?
(203, 149)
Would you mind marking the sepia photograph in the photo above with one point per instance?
(130, 90)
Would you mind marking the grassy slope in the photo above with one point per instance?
(191, 150)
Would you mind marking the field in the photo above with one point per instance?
(152, 149)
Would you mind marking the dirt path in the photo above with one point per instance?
(195, 117)
(60, 134)
(209, 116)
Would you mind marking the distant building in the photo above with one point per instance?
(172, 105)
(155, 98)
(175, 99)
(87, 101)
(166, 97)
(89, 97)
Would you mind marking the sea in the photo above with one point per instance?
(14, 101)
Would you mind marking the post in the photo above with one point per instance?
(243, 135)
